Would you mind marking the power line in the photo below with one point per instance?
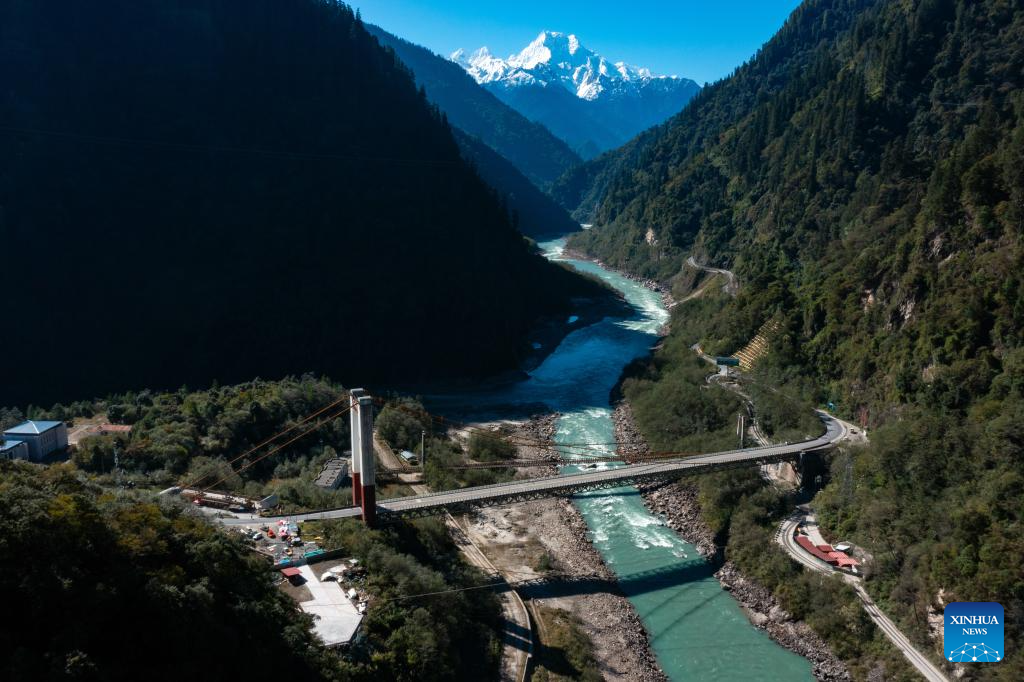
(532, 579)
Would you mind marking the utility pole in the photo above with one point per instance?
(117, 465)
(423, 449)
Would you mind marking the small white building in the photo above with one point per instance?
(335, 617)
(41, 437)
(13, 449)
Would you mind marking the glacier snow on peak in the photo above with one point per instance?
(592, 103)
(555, 58)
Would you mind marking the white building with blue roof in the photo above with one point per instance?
(41, 437)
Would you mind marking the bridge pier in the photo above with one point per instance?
(357, 485)
(367, 466)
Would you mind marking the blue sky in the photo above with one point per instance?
(699, 39)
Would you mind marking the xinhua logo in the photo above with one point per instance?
(972, 632)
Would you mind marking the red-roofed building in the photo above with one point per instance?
(293, 575)
(826, 553)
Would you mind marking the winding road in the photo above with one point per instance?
(921, 662)
(731, 286)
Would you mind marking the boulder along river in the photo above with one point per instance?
(696, 629)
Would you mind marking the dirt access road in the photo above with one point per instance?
(517, 635)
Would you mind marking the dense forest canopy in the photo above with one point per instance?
(862, 174)
(120, 587)
(212, 438)
(207, 190)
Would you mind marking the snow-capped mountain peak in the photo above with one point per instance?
(589, 101)
(551, 48)
(482, 65)
(554, 58)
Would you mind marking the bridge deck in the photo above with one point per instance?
(554, 486)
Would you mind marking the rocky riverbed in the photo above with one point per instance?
(631, 444)
(764, 611)
(678, 504)
(549, 539)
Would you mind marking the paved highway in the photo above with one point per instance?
(553, 486)
(730, 287)
(921, 662)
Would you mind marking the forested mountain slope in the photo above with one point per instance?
(867, 163)
(531, 147)
(534, 213)
(513, 155)
(128, 586)
(581, 189)
(207, 190)
(863, 174)
(122, 587)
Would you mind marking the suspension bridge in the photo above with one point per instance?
(370, 510)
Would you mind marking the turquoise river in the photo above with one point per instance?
(697, 630)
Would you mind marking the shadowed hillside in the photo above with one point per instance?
(530, 146)
(208, 190)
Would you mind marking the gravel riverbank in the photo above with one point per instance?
(765, 612)
(652, 284)
(632, 445)
(549, 538)
(678, 504)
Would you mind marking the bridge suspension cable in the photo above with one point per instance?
(277, 435)
(280, 447)
(598, 448)
(578, 450)
(578, 461)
